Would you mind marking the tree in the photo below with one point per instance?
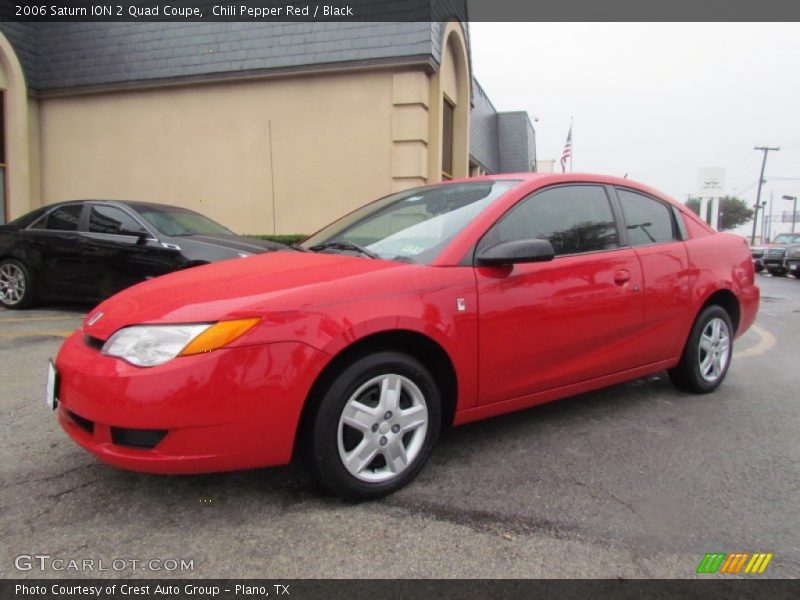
(733, 211)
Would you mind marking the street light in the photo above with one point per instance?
(794, 208)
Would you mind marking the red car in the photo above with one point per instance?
(434, 306)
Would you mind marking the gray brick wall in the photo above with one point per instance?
(483, 144)
(516, 141)
(531, 144)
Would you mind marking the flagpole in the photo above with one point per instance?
(572, 147)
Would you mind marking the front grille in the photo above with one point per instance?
(145, 439)
(85, 424)
(776, 252)
(93, 342)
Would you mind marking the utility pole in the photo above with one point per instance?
(794, 209)
(769, 228)
(766, 150)
(764, 219)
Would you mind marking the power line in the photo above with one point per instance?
(745, 171)
(739, 192)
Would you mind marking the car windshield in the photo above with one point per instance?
(174, 221)
(787, 238)
(410, 226)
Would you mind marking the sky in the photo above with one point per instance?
(657, 101)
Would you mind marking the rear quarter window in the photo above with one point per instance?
(649, 221)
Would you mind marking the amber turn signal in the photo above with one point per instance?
(218, 335)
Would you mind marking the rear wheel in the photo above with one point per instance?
(707, 354)
(375, 426)
(16, 284)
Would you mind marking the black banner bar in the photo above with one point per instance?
(265, 11)
(392, 589)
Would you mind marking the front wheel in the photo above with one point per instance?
(707, 354)
(776, 272)
(16, 284)
(375, 426)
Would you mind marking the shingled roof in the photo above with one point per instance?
(83, 55)
(69, 55)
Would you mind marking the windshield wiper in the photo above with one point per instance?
(344, 246)
(404, 259)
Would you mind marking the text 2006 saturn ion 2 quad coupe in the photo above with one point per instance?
(434, 306)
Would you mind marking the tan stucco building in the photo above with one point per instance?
(267, 128)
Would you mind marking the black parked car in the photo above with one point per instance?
(90, 249)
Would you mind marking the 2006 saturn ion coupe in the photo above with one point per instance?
(434, 306)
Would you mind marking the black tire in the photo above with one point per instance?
(776, 272)
(688, 375)
(325, 445)
(16, 284)
(758, 267)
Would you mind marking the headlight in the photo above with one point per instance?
(152, 345)
(794, 253)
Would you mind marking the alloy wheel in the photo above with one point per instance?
(715, 349)
(382, 428)
(12, 284)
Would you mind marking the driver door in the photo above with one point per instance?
(576, 318)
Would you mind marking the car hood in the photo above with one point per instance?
(232, 289)
(236, 243)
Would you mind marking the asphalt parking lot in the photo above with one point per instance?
(638, 480)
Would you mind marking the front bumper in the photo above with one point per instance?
(774, 263)
(793, 266)
(234, 408)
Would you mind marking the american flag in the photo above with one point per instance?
(567, 150)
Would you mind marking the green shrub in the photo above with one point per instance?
(286, 238)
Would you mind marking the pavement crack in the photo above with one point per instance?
(71, 489)
(52, 477)
(595, 488)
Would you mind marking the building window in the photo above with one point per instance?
(448, 112)
(2, 157)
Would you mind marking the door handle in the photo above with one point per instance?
(622, 276)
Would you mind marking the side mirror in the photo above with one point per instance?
(141, 236)
(517, 251)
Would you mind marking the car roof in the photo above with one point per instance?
(555, 178)
(130, 203)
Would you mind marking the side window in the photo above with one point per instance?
(575, 218)
(109, 219)
(65, 218)
(684, 235)
(649, 221)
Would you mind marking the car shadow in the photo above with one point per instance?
(291, 485)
